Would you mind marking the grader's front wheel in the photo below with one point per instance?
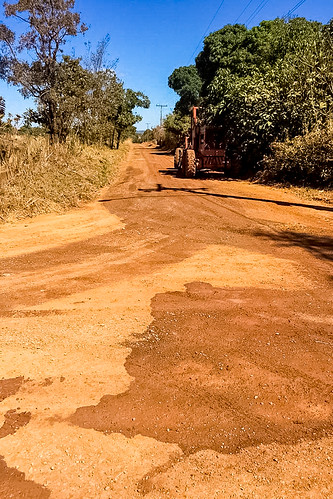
(189, 165)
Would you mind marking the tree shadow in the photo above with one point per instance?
(203, 191)
(319, 246)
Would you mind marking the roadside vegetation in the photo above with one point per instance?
(41, 177)
(270, 89)
(60, 152)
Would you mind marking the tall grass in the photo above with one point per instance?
(36, 177)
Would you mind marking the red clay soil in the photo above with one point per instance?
(9, 387)
(196, 377)
(183, 349)
(13, 484)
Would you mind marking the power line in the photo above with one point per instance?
(291, 11)
(258, 9)
(205, 33)
(262, 4)
(240, 15)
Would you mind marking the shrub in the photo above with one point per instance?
(304, 160)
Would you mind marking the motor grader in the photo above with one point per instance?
(204, 149)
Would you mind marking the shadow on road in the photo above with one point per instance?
(320, 246)
(162, 153)
(201, 175)
(203, 191)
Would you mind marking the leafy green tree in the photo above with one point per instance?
(185, 81)
(147, 136)
(176, 126)
(229, 48)
(69, 95)
(125, 118)
(269, 83)
(50, 23)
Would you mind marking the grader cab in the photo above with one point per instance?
(204, 149)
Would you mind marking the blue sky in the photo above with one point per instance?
(153, 37)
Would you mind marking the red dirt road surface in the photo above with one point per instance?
(172, 339)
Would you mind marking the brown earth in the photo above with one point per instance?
(173, 339)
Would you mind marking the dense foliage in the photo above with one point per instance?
(266, 84)
(304, 160)
(175, 126)
(186, 82)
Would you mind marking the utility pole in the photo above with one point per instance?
(148, 126)
(161, 106)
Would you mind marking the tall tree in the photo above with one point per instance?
(186, 82)
(268, 83)
(125, 118)
(49, 24)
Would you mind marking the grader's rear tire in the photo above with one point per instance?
(178, 158)
(189, 164)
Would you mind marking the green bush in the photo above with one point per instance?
(304, 160)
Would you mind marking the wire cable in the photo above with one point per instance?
(291, 11)
(205, 33)
(254, 14)
(240, 15)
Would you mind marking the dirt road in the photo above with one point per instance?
(173, 339)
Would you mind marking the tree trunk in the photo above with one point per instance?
(118, 139)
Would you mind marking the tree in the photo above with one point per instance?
(176, 126)
(102, 102)
(50, 23)
(185, 81)
(125, 119)
(2, 108)
(229, 48)
(269, 83)
(98, 60)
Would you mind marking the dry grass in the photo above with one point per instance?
(321, 195)
(40, 178)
